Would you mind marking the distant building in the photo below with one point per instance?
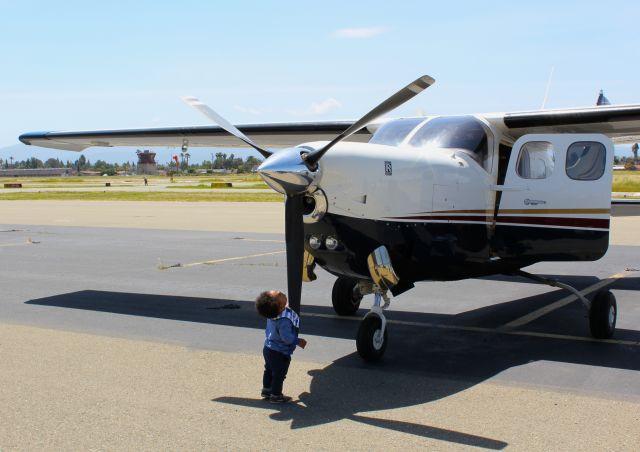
(147, 163)
(36, 172)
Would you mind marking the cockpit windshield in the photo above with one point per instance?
(393, 132)
(459, 132)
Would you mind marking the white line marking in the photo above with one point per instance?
(562, 302)
(477, 329)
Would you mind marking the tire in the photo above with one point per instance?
(365, 341)
(603, 315)
(345, 301)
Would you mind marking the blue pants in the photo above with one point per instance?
(276, 365)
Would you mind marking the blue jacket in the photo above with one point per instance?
(281, 334)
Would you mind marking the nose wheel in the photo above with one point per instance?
(371, 341)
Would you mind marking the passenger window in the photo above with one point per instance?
(586, 160)
(536, 160)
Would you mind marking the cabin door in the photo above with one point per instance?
(555, 202)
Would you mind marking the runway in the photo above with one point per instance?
(467, 362)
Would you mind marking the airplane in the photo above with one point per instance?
(384, 203)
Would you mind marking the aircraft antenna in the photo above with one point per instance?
(546, 93)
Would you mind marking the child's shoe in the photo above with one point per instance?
(265, 393)
(279, 398)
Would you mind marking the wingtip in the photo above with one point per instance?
(28, 137)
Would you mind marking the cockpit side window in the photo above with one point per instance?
(394, 132)
(455, 132)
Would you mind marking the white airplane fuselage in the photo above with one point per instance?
(445, 214)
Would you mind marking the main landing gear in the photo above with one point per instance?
(603, 310)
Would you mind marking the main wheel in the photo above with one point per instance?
(603, 314)
(344, 296)
(370, 342)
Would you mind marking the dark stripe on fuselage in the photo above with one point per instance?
(449, 251)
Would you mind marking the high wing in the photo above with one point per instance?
(620, 122)
(277, 135)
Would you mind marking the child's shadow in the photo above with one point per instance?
(348, 387)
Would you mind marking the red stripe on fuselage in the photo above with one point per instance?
(597, 223)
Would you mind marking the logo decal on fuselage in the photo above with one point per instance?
(387, 168)
(533, 202)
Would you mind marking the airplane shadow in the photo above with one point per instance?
(422, 363)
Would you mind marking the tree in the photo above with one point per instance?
(52, 163)
(634, 149)
(33, 163)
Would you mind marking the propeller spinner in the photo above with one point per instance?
(292, 172)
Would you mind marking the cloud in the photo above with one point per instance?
(250, 110)
(318, 108)
(358, 33)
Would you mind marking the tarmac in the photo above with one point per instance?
(129, 325)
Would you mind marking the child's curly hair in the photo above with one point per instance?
(267, 305)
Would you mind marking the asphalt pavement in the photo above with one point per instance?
(194, 291)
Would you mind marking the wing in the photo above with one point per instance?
(267, 135)
(620, 122)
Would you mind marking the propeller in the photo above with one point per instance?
(226, 125)
(399, 98)
(292, 171)
(294, 237)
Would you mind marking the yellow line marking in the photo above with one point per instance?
(259, 240)
(562, 302)
(476, 329)
(227, 259)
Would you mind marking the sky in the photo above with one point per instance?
(78, 65)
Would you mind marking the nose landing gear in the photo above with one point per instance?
(371, 341)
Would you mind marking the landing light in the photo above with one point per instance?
(331, 243)
(314, 242)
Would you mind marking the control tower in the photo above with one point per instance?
(147, 162)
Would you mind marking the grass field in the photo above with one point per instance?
(141, 196)
(626, 181)
(623, 181)
(154, 180)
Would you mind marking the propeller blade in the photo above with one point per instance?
(226, 125)
(294, 234)
(399, 98)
